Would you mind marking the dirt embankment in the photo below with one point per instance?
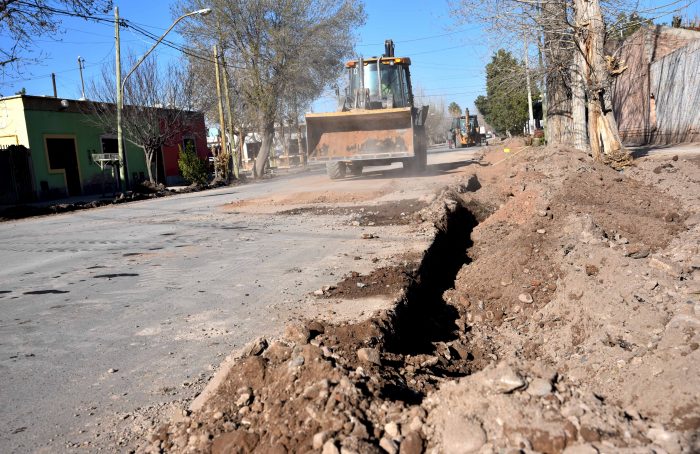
(556, 310)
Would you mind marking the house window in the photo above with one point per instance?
(189, 142)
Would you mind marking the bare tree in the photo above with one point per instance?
(439, 118)
(156, 105)
(275, 46)
(21, 21)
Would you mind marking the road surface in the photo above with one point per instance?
(110, 314)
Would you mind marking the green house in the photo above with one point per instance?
(60, 140)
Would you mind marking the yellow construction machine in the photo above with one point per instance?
(466, 130)
(376, 122)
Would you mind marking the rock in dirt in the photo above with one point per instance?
(369, 355)
(470, 184)
(411, 444)
(329, 447)
(668, 440)
(525, 298)
(461, 435)
(245, 397)
(256, 347)
(297, 361)
(392, 429)
(539, 387)
(389, 446)
(581, 449)
(235, 441)
(297, 333)
(504, 379)
(637, 252)
(591, 270)
(319, 439)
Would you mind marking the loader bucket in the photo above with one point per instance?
(360, 134)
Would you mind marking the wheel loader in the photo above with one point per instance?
(376, 122)
(466, 131)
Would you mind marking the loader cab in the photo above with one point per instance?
(378, 83)
(464, 125)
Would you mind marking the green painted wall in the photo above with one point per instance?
(87, 134)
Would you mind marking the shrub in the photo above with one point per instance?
(193, 169)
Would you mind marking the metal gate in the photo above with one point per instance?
(15, 175)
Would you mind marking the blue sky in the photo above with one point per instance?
(448, 59)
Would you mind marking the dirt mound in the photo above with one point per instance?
(566, 320)
(390, 280)
(390, 213)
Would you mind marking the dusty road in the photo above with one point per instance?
(107, 315)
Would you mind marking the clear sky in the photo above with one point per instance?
(448, 59)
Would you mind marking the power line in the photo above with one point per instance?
(423, 38)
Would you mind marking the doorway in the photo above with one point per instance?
(160, 166)
(62, 156)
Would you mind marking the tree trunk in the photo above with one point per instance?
(300, 141)
(578, 102)
(241, 144)
(606, 145)
(268, 135)
(149, 164)
(557, 53)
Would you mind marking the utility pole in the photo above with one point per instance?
(120, 93)
(234, 154)
(222, 121)
(81, 66)
(53, 82)
(531, 122)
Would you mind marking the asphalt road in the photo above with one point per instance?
(110, 311)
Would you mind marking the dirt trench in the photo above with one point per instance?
(340, 384)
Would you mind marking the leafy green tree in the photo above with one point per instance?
(193, 169)
(454, 109)
(505, 105)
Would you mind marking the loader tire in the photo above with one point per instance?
(356, 169)
(335, 170)
(421, 159)
(416, 164)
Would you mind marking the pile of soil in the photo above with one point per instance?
(556, 310)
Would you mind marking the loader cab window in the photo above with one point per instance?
(463, 124)
(393, 83)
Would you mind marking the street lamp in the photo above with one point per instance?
(120, 82)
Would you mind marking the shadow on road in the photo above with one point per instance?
(640, 152)
(430, 171)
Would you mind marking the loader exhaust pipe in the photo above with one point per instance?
(388, 48)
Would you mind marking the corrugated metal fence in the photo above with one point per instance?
(675, 84)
